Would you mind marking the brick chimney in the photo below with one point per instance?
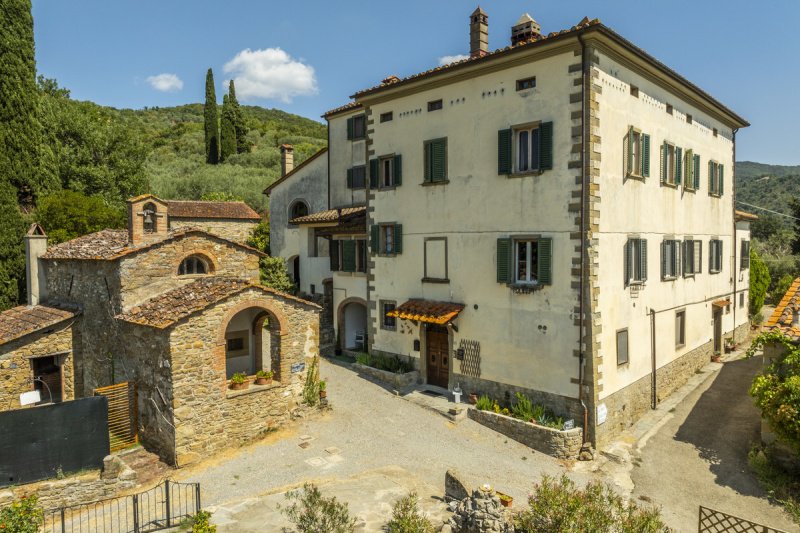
(478, 33)
(287, 159)
(526, 28)
(35, 247)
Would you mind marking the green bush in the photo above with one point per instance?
(523, 409)
(364, 358)
(310, 512)
(22, 516)
(407, 516)
(201, 523)
(559, 506)
(311, 386)
(67, 214)
(275, 275)
(759, 282)
(484, 403)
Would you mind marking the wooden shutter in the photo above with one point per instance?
(504, 139)
(438, 154)
(689, 169)
(374, 168)
(546, 146)
(696, 166)
(664, 168)
(398, 170)
(627, 260)
(349, 178)
(711, 177)
(504, 261)
(663, 259)
(545, 257)
(721, 171)
(350, 128)
(687, 257)
(348, 256)
(645, 155)
(628, 146)
(333, 250)
(643, 258)
(398, 238)
(678, 165)
(375, 238)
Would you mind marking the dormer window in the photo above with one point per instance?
(150, 222)
(193, 265)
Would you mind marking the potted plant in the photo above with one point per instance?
(323, 393)
(505, 499)
(239, 381)
(473, 398)
(264, 377)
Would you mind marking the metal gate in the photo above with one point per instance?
(712, 521)
(122, 414)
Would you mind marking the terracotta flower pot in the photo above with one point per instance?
(240, 386)
(323, 394)
(473, 398)
(263, 381)
(505, 499)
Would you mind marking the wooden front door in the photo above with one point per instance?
(718, 331)
(437, 347)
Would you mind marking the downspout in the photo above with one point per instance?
(328, 157)
(735, 272)
(584, 164)
(653, 383)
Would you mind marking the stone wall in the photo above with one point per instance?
(742, 332)
(154, 271)
(560, 444)
(399, 382)
(235, 230)
(16, 371)
(207, 415)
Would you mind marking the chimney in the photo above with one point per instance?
(478, 33)
(35, 247)
(287, 159)
(525, 29)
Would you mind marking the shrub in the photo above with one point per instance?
(311, 386)
(523, 409)
(759, 282)
(201, 523)
(22, 516)
(484, 403)
(364, 358)
(238, 378)
(407, 516)
(558, 505)
(310, 512)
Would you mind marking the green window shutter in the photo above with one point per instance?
(664, 152)
(645, 151)
(628, 146)
(696, 166)
(398, 170)
(721, 171)
(438, 164)
(545, 266)
(504, 138)
(643, 258)
(686, 266)
(374, 238)
(546, 146)
(349, 178)
(504, 261)
(689, 168)
(712, 248)
(333, 252)
(398, 238)
(678, 165)
(627, 259)
(711, 176)
(663, 259)
(348, 256)
(374, 167)
(350, 129)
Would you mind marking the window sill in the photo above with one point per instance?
(669, 278)
(631, 176)
(679, 346)
(356, 273)
(357, 188)
(435, 280)
(434, 183)
(384, 254)
(715, 271)
(670, 185)
(715, 195)
(689, 189)
(386, 328)
(193, 276)
(385, 188)
(526, 174)
(356, 139)
(525, 288)
(252, 389)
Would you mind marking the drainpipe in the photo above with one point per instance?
(735, 273)
(653, 384)
(584, 164)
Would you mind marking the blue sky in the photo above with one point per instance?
(113, 51)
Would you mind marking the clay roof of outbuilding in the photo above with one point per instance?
(170, 307)
(781, 318)
(331, 215)
(205, 209)
(20, 321)
(111, 244)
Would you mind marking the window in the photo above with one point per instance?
(716, 174)
(386, 239)
(745, 260)
(357, 177)
(385, 172)
(635, 259)
(715, 256)
(192, 265)
(525, 261)
(436, 161)
(691, 171)
(692, 257)
(637, 154)
(150, 221)
(356, 127)
(634, 91)
(435, 259)
(527, 83)
(386, 117)
(533, 146)
(671, 164)
(670, 259)
(388, 322)
(236, 345)
(348, 255)
(434, 105)
(622, 347)
(680, 328)
(298, 209)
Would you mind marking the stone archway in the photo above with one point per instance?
(351, 320)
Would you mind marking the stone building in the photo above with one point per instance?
(178, 310)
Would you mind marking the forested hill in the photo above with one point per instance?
(768, 186)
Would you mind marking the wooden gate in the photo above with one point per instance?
(122, 414)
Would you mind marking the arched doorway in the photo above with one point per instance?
(252, 342)
(352, 324)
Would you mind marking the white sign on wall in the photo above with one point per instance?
(28, 398)
(602, 413)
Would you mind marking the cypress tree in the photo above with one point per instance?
(242, 145)
(227, 130)
(211, 120)
(20, 128)
(12, 251)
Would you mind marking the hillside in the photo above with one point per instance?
(768, 186)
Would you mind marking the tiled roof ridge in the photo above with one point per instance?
(237, 210)
(346, 107)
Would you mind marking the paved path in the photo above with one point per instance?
(370, 433)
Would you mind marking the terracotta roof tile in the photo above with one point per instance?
(202, 209)
(331, 215)
(20, 321)
(350, 106)
(781, 318)
(427, 311)
(742, 215)
(172, 306)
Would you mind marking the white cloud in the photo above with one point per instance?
(446, 60)
(165, 82)
(270, 73)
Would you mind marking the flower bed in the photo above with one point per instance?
(399, 381)
(554, 442)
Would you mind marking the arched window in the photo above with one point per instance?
(299, 209)
(194, 264)
(150, 220)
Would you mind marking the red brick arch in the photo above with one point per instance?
(282, 328)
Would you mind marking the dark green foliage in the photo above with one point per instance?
(22, 516)
(12, 259)
(759, 282)
(259, 239)
(221, 197)
(766, 226)
(311, 512)
(69, 214)
(781, 286)
(558, 506)
(20, 127)
(227, 130)
(242, 144)
(407, 516)
(274, 274)
(202, 524)
(211, 121)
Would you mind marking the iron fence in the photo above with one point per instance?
(711, 521)
(161, 507)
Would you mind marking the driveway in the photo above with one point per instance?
(369, 449)
(699, 455)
